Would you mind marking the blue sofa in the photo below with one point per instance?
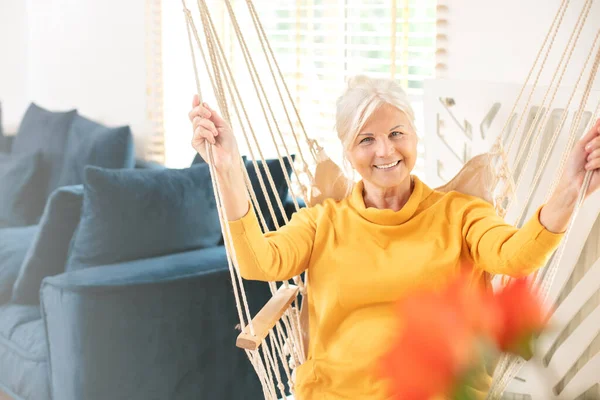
(159, 327)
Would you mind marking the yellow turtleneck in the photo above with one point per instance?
(360, 260)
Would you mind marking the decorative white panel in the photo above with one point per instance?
(462, 120)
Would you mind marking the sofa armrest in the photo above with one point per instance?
(160, 328)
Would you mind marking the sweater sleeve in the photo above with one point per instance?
(273, 256)
(500, 248)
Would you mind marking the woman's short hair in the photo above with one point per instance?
(359, 101)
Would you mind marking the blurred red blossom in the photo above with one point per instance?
(523, 318)
(443, 335)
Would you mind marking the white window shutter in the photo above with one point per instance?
(155, 145)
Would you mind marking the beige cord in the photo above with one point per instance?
(579, 116)
(572, 133)
(289, 326)
(264, 40)
(208, 22)
(557, 18)
(258, 84)
(224, 225)
(572, 45)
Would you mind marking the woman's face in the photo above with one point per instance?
(385, 150)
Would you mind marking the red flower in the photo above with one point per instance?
(435, 345)
(440, 335)
(478, 306)
(523, 318)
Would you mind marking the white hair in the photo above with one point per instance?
(361, 99)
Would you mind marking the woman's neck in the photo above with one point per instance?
(393, 198)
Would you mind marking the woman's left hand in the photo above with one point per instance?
(584, 157)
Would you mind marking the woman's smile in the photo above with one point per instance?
(388, 167)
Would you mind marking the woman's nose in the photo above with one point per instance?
(385, 148)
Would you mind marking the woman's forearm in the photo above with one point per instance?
(555, 215)
(233, 190)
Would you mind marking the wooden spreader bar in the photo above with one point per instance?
(267, 317)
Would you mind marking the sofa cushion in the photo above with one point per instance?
(90, 143)
(47, 132)
(22, 189)
(280, 184)
(23, 352)
(5, 144)
(133, 214)
(47, 255)
(14, 243)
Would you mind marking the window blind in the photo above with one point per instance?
(320, 43)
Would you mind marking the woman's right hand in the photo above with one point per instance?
(210, 127)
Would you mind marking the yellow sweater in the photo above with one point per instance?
(360, 260)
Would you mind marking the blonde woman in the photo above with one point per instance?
(391, 234)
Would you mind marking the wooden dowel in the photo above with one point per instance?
(267, 317)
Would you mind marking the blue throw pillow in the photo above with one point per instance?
(45, 131)
(14, 243)
(134, 214)
(279, 181)
(22, 189)
(47, 255)
(198, 159)
(90, 143)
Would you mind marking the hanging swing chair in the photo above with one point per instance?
(276, 339)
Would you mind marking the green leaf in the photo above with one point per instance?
(463, 389)
(524, 346)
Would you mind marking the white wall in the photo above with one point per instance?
(179, 80)
(180, 84)
(91, 55)
(88, 55)
(497, 41)
(13, 62)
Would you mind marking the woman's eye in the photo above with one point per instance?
(396, 133)
(367, 139)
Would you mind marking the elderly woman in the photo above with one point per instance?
(392, 233)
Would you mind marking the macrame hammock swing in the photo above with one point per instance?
(276, 339)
